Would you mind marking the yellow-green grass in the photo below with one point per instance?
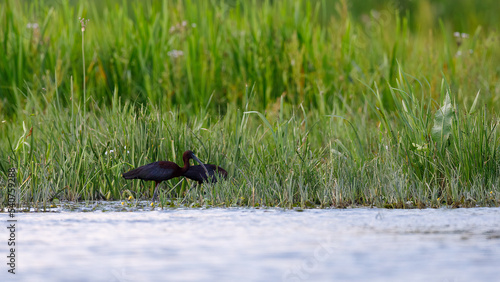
(305, 103)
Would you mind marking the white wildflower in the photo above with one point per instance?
(32, 26)
(175, 53)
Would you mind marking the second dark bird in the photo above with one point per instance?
(197, 173)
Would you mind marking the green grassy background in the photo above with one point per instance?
(305, 103)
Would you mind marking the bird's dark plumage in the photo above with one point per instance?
(157, 171)
(197, 173)
(162, 170)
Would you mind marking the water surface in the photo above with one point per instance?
(360, 244)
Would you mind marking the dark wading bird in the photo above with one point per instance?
(199, 174)
(163, 170)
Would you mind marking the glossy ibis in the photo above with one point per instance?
(162, 170)
(199, 174)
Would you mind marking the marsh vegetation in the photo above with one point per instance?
(304, 103)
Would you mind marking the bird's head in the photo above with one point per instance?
(190, 155)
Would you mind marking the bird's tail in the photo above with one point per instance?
(131, 174)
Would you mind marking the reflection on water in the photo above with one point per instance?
(258, 245)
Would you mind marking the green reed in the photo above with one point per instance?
(304, 106)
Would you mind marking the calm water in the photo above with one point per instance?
(257, 245)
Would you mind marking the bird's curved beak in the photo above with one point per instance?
(198, 160)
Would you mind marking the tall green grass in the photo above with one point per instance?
(304, 104)
(198, 53)
(306, 159)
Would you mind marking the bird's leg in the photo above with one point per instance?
(156, 189)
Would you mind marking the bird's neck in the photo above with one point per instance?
(186, 165)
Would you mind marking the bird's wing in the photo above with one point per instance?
(161, 171)
(157, 171)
